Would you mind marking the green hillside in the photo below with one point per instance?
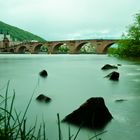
(18, 34)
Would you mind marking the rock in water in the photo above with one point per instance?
(108, 66)
(113, 76)
(43, 98)
(119, 64)
(92, 114)
(43, 73)
(120, 100)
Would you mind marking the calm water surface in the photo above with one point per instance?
(71, 81)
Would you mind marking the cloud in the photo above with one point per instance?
(60, 19)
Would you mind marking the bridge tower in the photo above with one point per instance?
(6, 41)
(1, 38)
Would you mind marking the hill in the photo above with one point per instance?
(17, 33)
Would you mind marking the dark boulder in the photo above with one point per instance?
(119, 64)
(43, 98)
(108, 66)
(120, 100)
(92, 114)
(43, 73)
(113, 76)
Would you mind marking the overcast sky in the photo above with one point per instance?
(70, 19)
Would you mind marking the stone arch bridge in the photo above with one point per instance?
(101, 46)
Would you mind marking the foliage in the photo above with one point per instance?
(88, 48)
(43, 49)
(13, 125)
(113, 51)
(129, 45)
(17, 33)
(63, 49)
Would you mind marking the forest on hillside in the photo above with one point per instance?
(17, 33)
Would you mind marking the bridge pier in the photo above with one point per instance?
(72, 45)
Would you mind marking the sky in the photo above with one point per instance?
(70, 19)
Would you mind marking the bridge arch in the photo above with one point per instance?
(57, 48)
(79, 46)
(85, 47)
(5, 50)
(21, 49)
(12, 50)
(40, 48)
(37, 48)
(108, 46)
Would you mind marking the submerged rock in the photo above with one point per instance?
(43, 98)
(113, 76)
(119, 64)
(43, 73)
(120, 100)
(108, 66)
(92, 114)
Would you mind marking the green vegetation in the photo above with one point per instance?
(63, 49)
(129, 45)
(13, 125)
(18, 34)
(43, 49)
(88, 48)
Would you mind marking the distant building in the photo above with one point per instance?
(6, 40)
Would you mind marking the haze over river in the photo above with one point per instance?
(72, 79)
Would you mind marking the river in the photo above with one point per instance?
(72, 79)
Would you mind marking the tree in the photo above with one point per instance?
(129, 45)
(63, 49)
(88, 48)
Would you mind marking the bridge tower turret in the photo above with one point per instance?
(6, 41)
(1, 38)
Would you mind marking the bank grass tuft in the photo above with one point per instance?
(13, 125)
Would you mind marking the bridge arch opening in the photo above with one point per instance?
(21, 49)
(86, 47)
(111, 45)
(12, 50)
(5, 51)
(40, 48)
(61, 48)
